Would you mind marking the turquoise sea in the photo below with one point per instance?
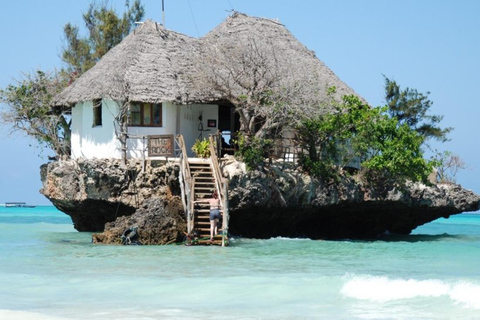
(50, 271)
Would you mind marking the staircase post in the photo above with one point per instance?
(225, 210)
(191, 212)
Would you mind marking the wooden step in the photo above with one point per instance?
(204, 182)
(202, 175)
(203, 222)
(195, 171)
(205, 179)
(204, 188)
(204, 211)
(203, 203)
(204, 215)
(203, 194)
(206, 230)
(206, 220)
(217, 240)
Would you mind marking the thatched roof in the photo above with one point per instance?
(300, 62)
(154, 64)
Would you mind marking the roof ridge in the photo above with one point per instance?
(238, 13)
(150, 23)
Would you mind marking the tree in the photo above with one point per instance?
(105, 30)
(395, 151)
(29, 110)
(268, 93)
(448, 165)
(411, 108)
(385, 148)
(28, 107)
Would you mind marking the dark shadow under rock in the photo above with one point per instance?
(92, 215)
(345, 221)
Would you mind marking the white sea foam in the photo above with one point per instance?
(466, 293)
(24, 315)
(384, 289)
(290, 239)
(82, 313)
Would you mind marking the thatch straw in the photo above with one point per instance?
(154, 64)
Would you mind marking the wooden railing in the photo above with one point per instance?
(221, 185)
(186, 185)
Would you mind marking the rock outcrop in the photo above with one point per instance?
(157, 221)
(278, 201)
(285, 202)
(94, 192)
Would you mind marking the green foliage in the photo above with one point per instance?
(410, 107)
(334, 139)
(395, 152)
(106, 29)
(201, 148)
(385, 148)
(252, 150)
(28, 110)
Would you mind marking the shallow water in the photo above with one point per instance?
(50, 271)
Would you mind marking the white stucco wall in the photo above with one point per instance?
(189, 122)
(100, 141)
(77, 130)
(176, 119)
(90, 141)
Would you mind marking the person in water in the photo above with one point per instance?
(214, 214)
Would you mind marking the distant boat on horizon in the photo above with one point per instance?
(18, 205)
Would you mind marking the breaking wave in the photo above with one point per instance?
(384, 289)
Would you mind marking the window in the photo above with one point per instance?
(97, 112)
(146, 115)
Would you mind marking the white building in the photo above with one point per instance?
(150, 81)
(94, 133)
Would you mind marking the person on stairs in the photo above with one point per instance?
(214, 214)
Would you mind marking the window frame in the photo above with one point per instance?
(97, 113)
(142, 115)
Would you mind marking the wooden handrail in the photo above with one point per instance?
(185, 182)
(221, 185)
(181, 143)
(216, 168)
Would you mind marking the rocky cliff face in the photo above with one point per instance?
(291, 204)
(94, 192)
(288, 203)
(276, 202)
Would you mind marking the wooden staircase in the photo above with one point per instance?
(203, 185)
(198, 179)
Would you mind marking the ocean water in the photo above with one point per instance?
(50, 271)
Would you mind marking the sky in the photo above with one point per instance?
(430, 45)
